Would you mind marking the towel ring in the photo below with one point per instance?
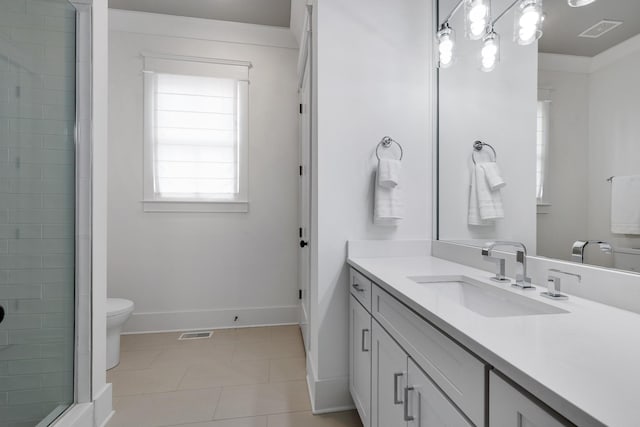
(478, 146)
(386, 143)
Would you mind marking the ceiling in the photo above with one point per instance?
(263, 12)
(563, 24)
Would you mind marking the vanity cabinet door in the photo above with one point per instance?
(389, 380)
(510, 408)
(360, 359)
(428, 406)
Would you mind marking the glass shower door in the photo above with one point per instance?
(37, 210)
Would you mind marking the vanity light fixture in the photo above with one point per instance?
(446, 43)
(476, 15)
(528, 21)
(490, 50)
(579, 3)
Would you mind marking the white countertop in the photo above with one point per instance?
(585, 364)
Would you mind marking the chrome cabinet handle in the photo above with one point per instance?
(407, 417)
(396, 398)
(364, 348)
(357, 287)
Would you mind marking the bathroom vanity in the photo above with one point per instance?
(435, 343)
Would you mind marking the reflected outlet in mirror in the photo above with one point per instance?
(484, 299)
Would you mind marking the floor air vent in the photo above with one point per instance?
(195, 335)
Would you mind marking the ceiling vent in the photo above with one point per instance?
(600, 29)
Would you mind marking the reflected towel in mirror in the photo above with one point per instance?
(389, 172)
(625, 204)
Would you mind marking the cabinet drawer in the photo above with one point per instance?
(456, 371)
(360, 288)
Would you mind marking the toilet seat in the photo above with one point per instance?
(116, 306)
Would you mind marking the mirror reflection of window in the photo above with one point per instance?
(542, 148)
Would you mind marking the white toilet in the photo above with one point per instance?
(118, 311)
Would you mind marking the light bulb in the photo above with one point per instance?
(530, 16)
(477, 28)
(446, 45)
(478, 12)
(490, 51)
(476, 18)
(528, 21)
(579, 3)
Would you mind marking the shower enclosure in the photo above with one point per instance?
(39, 211)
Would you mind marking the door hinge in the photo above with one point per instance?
(300, 232)
(299, 293)
(300, 170)
(300, 108)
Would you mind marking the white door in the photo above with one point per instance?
(427, 406)
(388, 378)
(510, 408)
(304, 189)
(360, 359)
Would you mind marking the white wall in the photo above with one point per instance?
(498, 108)
(565, 189)
(372, 78)
(190, 270)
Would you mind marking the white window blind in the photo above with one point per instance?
(196, 136)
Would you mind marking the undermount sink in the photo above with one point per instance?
(484, 299)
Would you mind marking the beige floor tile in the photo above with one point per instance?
(165, 409)
(287, 369)
(136, 359)
(236, 422)
(142, 341)
(252, 350)
(223, 373)
(253, 334)
(284, 332)
(225, 335)
(279, 349)
(307, 419)
(272, 349)
(145, 381)
(194, 354)
(263, 399)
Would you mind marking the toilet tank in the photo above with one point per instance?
(626, 259)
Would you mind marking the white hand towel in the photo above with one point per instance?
(473, 217)
(388, 207)
(483, 203)
(492, 173)
(389, 172)
(625, 205)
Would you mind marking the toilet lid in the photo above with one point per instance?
(117, 306)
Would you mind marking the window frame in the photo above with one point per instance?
(198, 67)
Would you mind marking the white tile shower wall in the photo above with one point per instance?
(193, 270)
(37, 111)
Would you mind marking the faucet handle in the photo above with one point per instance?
(554, 283)
(522, 280)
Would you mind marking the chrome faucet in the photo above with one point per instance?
(577, 250)
(522, 281)
(553, 284)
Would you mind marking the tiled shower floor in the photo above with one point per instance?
(252, 377)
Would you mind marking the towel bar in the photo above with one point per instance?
(478, 146)
(386, 143)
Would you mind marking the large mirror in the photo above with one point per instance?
(539, 140)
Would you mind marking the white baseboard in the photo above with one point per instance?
(211, 319)
(103, 406)
(329, 395)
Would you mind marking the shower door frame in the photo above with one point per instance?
(83, 327)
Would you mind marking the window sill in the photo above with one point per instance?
(232, 206)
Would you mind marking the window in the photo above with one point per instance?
(542, 149)
(195, 135)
